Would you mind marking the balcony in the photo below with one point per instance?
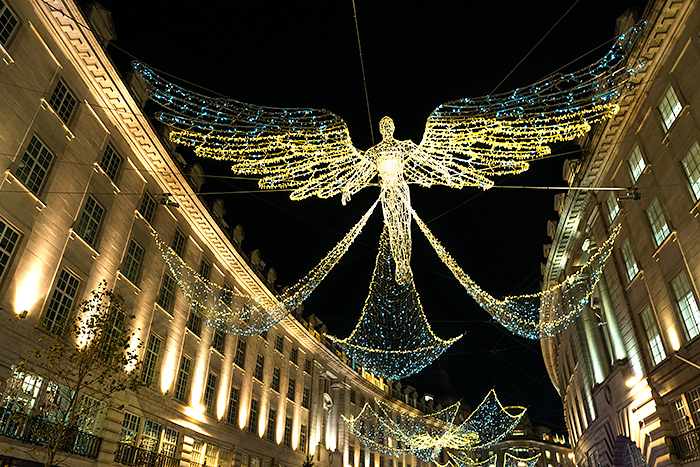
(687, 446)
(131, 455)
(39, 431)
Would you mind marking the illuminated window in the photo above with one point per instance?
(291, 389)
(22, 391)
(253, 415)
(680, 420)
(62, 102)
(636, 163)
(130, 429)
(232, 416)
(653, 338)
(150, 437)
(34, 165)
(240, 353)
(287, 441)
(169, 442)
(8, 242)
(110, 163)
(148, 207)
(211, 455)
(670, 108)
(194, 322)
(271, 419)
(183, 379)
(167, 293)
(305, 398)
(132, 261)
(693, 399)
(302, 444)
(218, 340)
(179, 240)
(279, 344)
(259, 365)
(687, 304)
(91, 411)
(307, 366)
(293, 355)
(61, 302)
(657, 221)
(204, 268)
(631, 267)
(691, 165)
(210, 393)
(150, 359)
(613, 207)
(275, 385)
(89, 220)
(8, 24)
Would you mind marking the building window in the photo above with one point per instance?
(89, 221)
(305, 398)
(353, 396)
(148, 207)
(294, 355)
(132, 261)
(110, 163)
(656, 347)
(150, 437)
(34, 165)
(657, 221)
(61, 302)
(62, 102)
(291, 389)
(288, 432)
(232, 416)
(613, 207)
(179, 240)
(307, 366)
(631, 267)
(253, 415)
(275, 385)
(240, 353)
(679, 416)
(691, 165)
(210, 393)
(279, 344)
(169, 442)
(670, 108)
(130, 429)
(271, 418)
(693, 399)
(636, 163)
(687, 304)
(259, 365)
(167, 293)
(302, 443)
(8, 242)
(8, 23)
(194, 322)
(183, 378)
(219, 340)
(204, 268)
(150, 359)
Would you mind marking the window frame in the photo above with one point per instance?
(291, 389)
(639, 165)
(87, 225)
(110, 169)
(276, 377)
(182, 380)
(629, 260)
(657, 229)
(689, 294)
(66, 303)
(259, 371)
(178, 247)
(129, 261)
(5, 8)
(239, 357)
(167, 305)
(28, 177)
(147, 206)
(13, 238)
(149, 369)
(655, 344)
(209, 396)
(612, 205)
(693, 185)
(58, 103)
(234, 396)
(674, 109)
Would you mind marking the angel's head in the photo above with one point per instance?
(386, 127)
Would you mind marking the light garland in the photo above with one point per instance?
(521, 314)
(310, 150)
(460, 459)
(392, 338)
(390, 431)
(242, 314)
(510, 460)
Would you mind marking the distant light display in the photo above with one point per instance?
(393, 432)
(510, 460)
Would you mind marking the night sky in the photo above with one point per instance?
(417, 55)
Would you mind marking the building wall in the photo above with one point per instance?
(46, 242)
(632, 355)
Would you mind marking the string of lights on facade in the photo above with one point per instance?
(395, 433)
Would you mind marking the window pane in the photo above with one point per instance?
(8, 23)
(183, 379)
(110, 163)
(89, 221)
(658, 224)
(233, 406)
(167, 291)
(656, 347)
(150, 359)
(148, 207)
(210, 393)
(630, 263)
(132, 261)
(61, 302)
(8, 242)
(34, 165)
(691, 165)
(687, 305)
(613, 207)
(179, 243)
(62, 102)
(637, 164)
(670, 108)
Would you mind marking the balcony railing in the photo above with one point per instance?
(39, 431)
(687, 445)
(131, 455)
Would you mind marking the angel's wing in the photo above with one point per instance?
(474, 139)
(306, 149)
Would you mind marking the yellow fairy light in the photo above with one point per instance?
(510, 460)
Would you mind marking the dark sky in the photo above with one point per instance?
(417, 55)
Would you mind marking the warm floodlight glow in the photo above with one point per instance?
(28, 291)
(168, 373)
(197, 414)
(632, 382)
(675, 342)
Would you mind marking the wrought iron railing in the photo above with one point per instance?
(133, 456)
(39, 431)
(687, 445)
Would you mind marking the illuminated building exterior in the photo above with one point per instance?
(628, 370)
(84, 176)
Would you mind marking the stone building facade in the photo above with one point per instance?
(85, 177)
(628, 370)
